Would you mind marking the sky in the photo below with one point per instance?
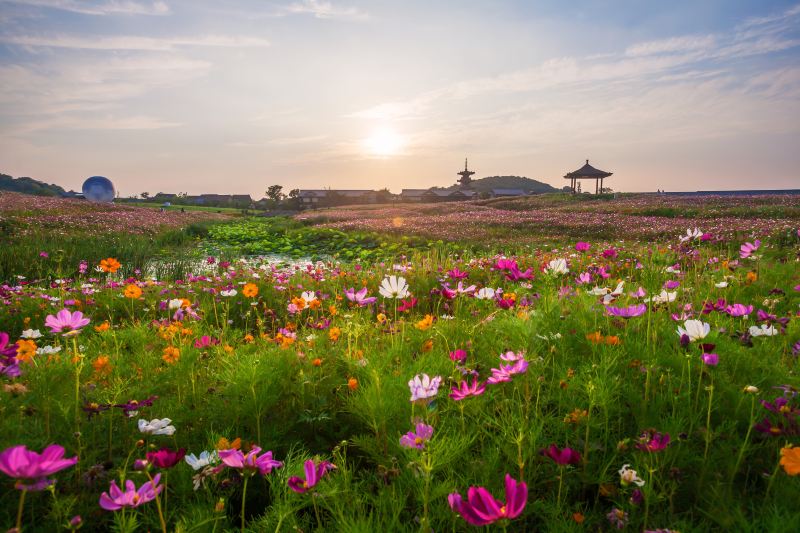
(203, 96)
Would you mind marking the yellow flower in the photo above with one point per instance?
(250, 290)
(425, 323)
(381, 318)
(132, 291)
(790, 460)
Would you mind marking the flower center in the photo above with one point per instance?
(418, 440)
(503, 511)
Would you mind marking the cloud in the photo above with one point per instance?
(690, 43)
(109, 7)
(322, 9)
(132, 42)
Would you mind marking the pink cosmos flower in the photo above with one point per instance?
(710, 359)
(314, 473)
(506, 372)
(481, 508)
(458, 355)
(747, 249)
(564, 457)
(423, 387)
(250, 461)
(465, 390)
(65, 320)
(115, 499)
(582, 246)
(737, 310)
(416, 439)
(653, 441)
(455, 273)
(31, 469)
(359, 297)
(626, 312)
(9, 365)
(584, 277)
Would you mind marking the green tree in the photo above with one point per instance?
(274, 193)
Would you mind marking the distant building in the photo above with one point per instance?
(496, 193)
(312, 198)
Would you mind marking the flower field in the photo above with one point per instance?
(585, 384)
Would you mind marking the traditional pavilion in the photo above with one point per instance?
(466, 176)
(588, 172)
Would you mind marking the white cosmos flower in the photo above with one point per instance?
(628, 476)
(205, 459)
(394, 287)
(663, 298)
(694, 329)
(557, 267)
(721, 284)
(48, 350)
(308, 296)
(156, 426)
(764, 331)
(229, 293)
(486, 293)
(599, 291)
(691, 234)
(175, 303)
(31, 334)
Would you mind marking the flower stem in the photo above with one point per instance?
(19, 510)
(746, 439)
(316, 510)
(158, 504)
(244, 497)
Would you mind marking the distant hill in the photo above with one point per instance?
(29, 186)
(508, 182)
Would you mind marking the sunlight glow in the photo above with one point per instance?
(383, 142)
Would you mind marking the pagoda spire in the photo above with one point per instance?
(466, 175)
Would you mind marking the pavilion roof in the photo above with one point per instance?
(588, 171)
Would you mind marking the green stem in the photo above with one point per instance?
(158, 505)
(316, 510)
(19, 510)
(708, 420)
(746, 439)
(244, 497)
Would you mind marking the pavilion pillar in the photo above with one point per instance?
(601, 184)
(596, 185)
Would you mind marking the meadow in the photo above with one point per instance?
(555, 364)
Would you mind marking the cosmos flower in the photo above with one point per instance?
(628, 476)
(694, 329)
(32, 470)
(424, 387)
(564, 457)
(206, 458)
(464, 390)
(116, 499)
(746, 250)
(417, 438)
(394, 287)
(765, 330)
(359, 297)
(249, 461)
(165, 458)
(691, 234)
(314, 473)
(557, 267)
(737, 310)
(66, 320)
(486, 293)
(156, 427)
(480, 507)
(626, 312)
(582, 246)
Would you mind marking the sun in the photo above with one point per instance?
(383, 142)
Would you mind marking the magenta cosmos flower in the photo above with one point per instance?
(65, 320)
(653, 441)
(30, 469)
(165, 458)
(564, 457)
(250, 461)
(626, 312)
(481, 508)
(313, 474)
(465, 390)
(417, 438)
(582, 246)
(116, 499)
(9, 365)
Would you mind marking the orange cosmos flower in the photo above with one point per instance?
(425, 323)
(171, 355)
(317, 362)
(132, 291)
(790, 461)
(102, 366)
(250, 290)
(314, 304)
(299, 303)
(334, 333)
(225, 444)
(352, 383)
(427, 346)
(110, 265)
(26, 349)
(332, 309)
(248, 338)
(751, 277)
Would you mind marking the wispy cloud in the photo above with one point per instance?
(128, 42)
(108, 7)
(322, 9)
